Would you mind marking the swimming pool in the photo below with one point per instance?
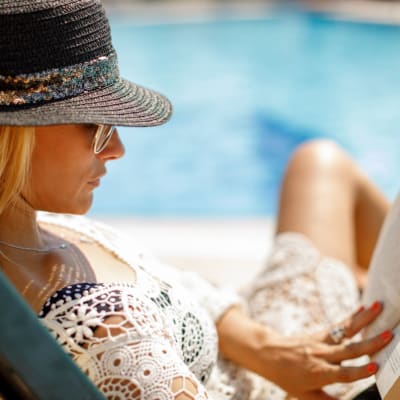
(245, 93)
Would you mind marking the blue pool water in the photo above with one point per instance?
(246, 93)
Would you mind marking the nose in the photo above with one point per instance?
(114, 149)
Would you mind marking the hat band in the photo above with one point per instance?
(59, 83)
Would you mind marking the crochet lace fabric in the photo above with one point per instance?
(156, 338)
(298, 293)
(123, 339)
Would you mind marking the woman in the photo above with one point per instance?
(138, 328)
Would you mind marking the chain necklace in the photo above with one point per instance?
(61, 246)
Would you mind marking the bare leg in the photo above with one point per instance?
(326, 197)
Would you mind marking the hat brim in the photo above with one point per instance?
(122, 104)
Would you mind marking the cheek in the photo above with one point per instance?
(45, 188)
(55, 187)
(62, 164)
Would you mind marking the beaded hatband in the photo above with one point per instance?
(59, 83)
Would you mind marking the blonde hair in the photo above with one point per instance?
(16, 146)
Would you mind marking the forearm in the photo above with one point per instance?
(240, 338)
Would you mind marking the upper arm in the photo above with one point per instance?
(122, 341)
(149, 365)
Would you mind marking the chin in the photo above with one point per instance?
(82, 210)
(77, 212)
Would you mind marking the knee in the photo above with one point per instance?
(319, 153)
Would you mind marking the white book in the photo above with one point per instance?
(384, 285)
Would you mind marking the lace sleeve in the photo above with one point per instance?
(216, 300)
(122, 341)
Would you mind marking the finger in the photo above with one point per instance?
(359, 320)
(362, 318)
(350, 350)
(348, 374)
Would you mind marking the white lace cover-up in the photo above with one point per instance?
(158, 338)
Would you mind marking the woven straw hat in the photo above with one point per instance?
(58, 66)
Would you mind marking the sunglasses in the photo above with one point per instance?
(102, 137)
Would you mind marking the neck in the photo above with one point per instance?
(18, 225)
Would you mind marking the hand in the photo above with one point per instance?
(303, 365)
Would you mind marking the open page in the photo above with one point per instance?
(388, 376)
(384, 274)
(384, 285)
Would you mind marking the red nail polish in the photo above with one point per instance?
(376, 306)
(372, 367)
(386, 335)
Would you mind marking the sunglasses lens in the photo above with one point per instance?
(103, 136)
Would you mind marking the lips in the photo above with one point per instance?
(94, 183)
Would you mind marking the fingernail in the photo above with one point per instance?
(372, 367)
(386, 335)
(376, 306)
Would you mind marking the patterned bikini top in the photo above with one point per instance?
(152, 339)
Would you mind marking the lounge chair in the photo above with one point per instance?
(32, 364)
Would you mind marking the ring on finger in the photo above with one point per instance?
(337, 334)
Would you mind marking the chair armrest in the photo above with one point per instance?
(30, 358)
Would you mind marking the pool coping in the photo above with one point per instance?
(382, 12)
(175, 11)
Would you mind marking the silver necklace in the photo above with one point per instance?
(61, 246)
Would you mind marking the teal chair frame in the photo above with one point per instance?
(33, 366)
